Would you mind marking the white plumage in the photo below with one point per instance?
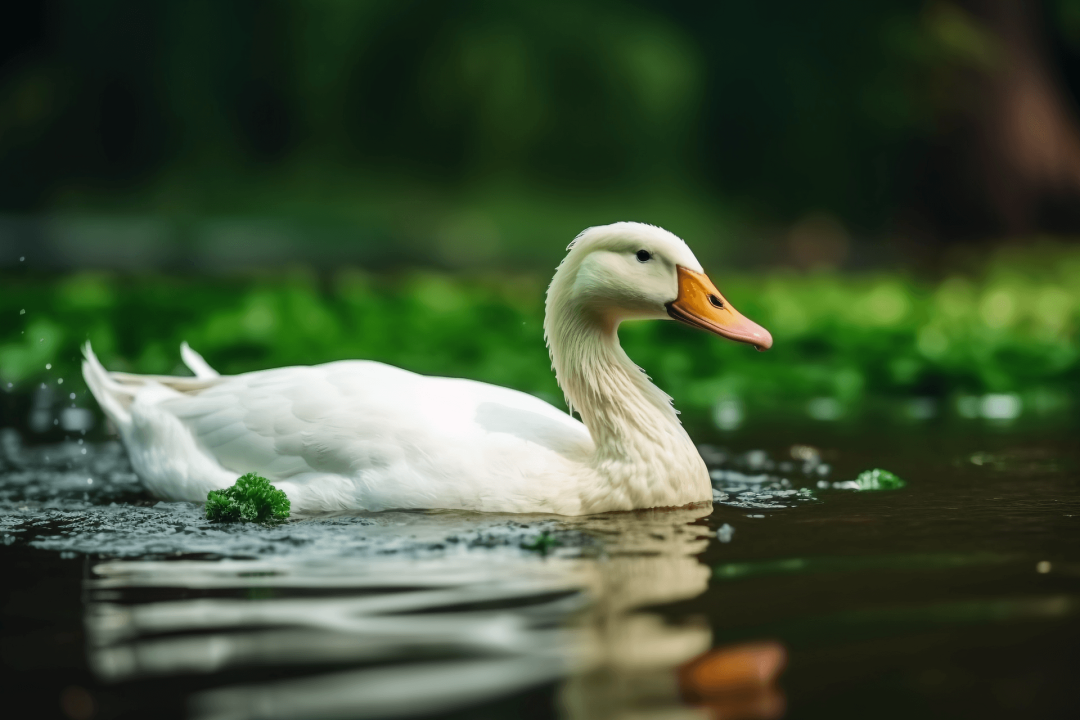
(363, 435)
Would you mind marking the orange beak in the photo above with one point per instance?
(701, 305)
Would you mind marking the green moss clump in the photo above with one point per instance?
(251, 499)
(878, 479)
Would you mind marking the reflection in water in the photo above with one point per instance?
(392, 636)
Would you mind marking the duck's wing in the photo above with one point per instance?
(364, 434)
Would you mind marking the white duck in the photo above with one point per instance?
(362, 435)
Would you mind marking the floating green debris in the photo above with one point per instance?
(861, 564)
(878, 479)
(251, 499)
(544, 543)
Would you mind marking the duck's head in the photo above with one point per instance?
(631, 270)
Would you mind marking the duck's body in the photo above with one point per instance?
(368, 436)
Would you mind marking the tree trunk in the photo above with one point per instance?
(1010, 165)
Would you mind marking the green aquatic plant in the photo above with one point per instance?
(878, 479)
(544, 543)
(251, 499)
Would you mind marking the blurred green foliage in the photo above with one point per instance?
(208, 107)
(840, 340)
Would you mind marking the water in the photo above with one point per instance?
(955, 596)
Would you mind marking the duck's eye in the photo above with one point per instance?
(716, 302)
(643, 256)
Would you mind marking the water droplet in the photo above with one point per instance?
(72, 396)
(48, 366)
(89, 481)
(1001, 406)
(806, 453)
(60, 381)
(22, 258)
(23, 311)
(725, 533)
(728, 414)
(1043, 567)
(825, 409)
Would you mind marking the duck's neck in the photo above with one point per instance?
(643, 456)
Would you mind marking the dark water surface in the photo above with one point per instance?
(955, 596)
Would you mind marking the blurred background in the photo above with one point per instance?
(892, 188)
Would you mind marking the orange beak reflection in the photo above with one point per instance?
(701, 305)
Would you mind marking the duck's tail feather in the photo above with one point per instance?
(113, 397)
(196, 363)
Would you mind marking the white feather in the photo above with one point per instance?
(195, 362)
